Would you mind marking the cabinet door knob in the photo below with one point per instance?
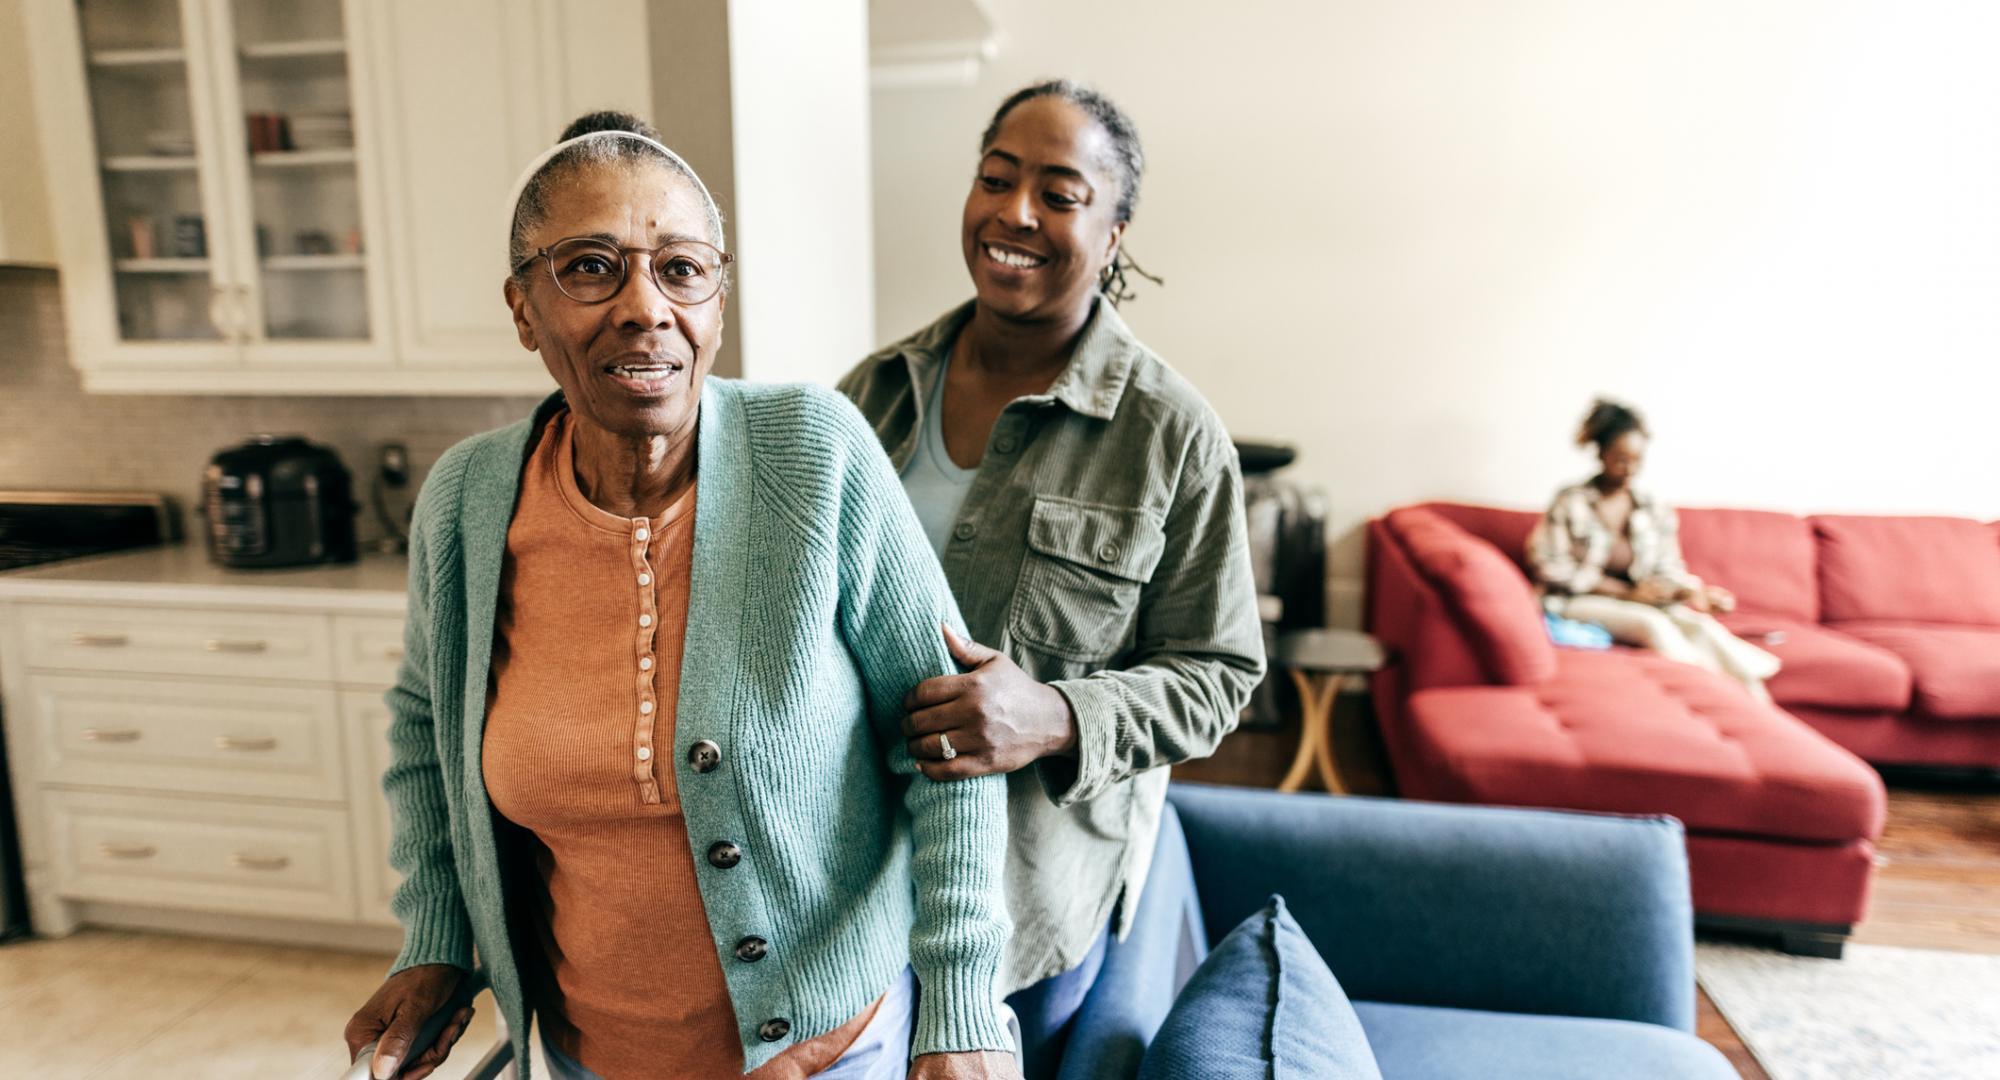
(236, 742)
(244, 313)
(127, 851)
(219, 315)
(230, 645)
(258, 862)
(111, 736)
(100, 641)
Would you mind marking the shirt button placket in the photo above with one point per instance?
(642, 734)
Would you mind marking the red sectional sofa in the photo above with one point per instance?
(1890, 633)
(1890, 625)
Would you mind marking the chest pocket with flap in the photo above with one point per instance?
(1078, 593)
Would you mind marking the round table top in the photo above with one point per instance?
(1342, 651)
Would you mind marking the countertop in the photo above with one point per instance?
(182, 574)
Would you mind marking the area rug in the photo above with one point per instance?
(1880, 1013)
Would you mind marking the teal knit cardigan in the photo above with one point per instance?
(815, 605)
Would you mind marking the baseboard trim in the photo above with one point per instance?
(267, 931)
(1827, 940)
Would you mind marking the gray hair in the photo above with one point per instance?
(576, 151)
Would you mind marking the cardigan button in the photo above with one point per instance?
(773, 1030)
(722, 854)
(965, 530)
(705, 756)
(752, 949)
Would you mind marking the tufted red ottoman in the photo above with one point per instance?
(1478, 707)
(1628, 732)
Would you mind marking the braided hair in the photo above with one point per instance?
(1607, 422)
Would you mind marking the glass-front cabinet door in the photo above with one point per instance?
(284, 74)
(302, 196)
(236, 214)
(164, 208)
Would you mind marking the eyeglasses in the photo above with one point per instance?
(591, 271)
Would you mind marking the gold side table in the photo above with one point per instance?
(1320, 662)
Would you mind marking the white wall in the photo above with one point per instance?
(799, 109)
(1415, 238)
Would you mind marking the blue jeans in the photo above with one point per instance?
(880, 1052)
(1046, 1009)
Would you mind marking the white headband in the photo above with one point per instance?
(535, 167)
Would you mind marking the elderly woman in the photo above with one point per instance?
(646, 758)
(1088, 509)
(1609, 553)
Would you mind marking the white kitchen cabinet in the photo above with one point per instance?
(124, 103)
(176, 641)
(212, 201)
(199, 738)
(365, 718)
(201, 854)
(24, 206)
(304, 196)
(480, 89)
(202, 751)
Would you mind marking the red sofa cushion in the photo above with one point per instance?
(1956, 668)
(1766, 559)
(1907, 569)
(1630, 732)
(1825, 668)
(1505, 529)
(1494, 606)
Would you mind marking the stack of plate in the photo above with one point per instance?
(327, 129)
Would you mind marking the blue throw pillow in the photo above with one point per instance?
(1263, 1005)
(1576, 635)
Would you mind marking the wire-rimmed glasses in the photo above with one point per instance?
(590, 270)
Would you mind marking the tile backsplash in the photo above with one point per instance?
(55, 436)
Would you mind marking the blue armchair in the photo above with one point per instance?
(1475, 942)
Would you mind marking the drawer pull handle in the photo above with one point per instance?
(118, 735)
(127, 851)
(237, 742)
(236, 645)
(259, 862)
(100, 641)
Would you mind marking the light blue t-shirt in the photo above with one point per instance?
(935, 485)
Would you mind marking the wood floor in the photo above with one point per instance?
(109, 1005)
(1938, 886)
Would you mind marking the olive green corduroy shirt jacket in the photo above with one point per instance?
(814, 606)
(1102, 546)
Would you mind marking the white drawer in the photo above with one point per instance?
(367, 649)
(207, 738)
(236, 858)
(177, 641)
(366, 719)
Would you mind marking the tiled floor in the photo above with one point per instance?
(113, 1005)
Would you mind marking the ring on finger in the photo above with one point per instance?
(945, 749)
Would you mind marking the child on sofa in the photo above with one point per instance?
(1608, 553)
